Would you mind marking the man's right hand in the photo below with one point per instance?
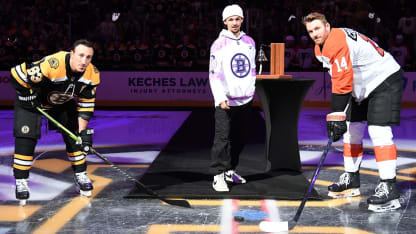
(225, 105)
(30, 97)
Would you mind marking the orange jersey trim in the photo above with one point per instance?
(353, 150)
(385, 153)
(335, 117)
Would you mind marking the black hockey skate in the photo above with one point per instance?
(347, 186)
(22, 191)
(84, 184)
(386, 197)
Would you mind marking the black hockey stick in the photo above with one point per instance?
(270, 226)
(181, 203)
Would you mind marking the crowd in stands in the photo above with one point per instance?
(177, 34)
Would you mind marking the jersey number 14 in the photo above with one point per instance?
(342, 65)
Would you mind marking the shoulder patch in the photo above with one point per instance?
(53, 62)
(351, 33)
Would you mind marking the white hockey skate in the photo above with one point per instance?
(386, 197)
(83, 183)
(22, 191)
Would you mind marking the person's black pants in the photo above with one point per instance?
(230, 129)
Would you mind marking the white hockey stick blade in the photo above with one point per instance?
(270, 226)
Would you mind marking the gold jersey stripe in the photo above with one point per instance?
(23, 157)
(74, 154)
(79, 162)
(85, 109)
(86, 100)
(24, 168)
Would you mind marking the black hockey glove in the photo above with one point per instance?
(336, 125)
(29, 98)
(86, 139)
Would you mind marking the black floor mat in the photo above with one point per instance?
(181, 169)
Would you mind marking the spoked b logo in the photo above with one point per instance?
(240, 65)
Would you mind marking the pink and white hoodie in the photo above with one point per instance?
(232, 68)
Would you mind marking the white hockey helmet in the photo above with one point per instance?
(232, 10)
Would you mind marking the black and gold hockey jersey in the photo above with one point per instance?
(54, 82)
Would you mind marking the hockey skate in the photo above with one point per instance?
(386, 197)
(233, 177)
(83, 183)
(22, 191)
(347, 186)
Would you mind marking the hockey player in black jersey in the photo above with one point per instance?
(64, 85)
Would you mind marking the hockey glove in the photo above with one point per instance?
(29, 98)
(336, 125)
(86, 139)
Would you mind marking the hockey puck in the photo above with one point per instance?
(239, 218)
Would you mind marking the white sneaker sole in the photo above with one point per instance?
(346, 193)
(85, 193)
(220, 189)
(391, 205)
(22, 202)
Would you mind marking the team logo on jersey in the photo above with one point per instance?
(351, 33)
(25, 129)
(240, 65)
(57, 98)
(53, 62)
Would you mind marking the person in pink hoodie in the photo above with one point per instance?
(232, 76)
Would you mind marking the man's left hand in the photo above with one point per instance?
(86, 139)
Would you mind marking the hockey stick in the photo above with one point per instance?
(181, 203)
(270, 226)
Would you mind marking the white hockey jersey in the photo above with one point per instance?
(232, 68)
(355, 62)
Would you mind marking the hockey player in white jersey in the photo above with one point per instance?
(232, 76)
(361, 69)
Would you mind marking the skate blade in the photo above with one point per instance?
(85, 193)
(391, 205)
(346, 193)
(22, 202)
